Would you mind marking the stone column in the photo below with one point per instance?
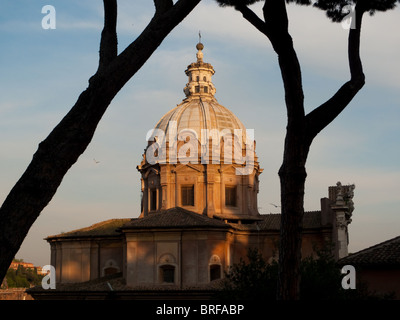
(342, 209)
(210, 175)
(145, 197)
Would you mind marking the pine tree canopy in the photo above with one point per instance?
(336, 10)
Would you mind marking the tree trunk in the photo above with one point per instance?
(301, 130)
(69, 139)
(292, 176)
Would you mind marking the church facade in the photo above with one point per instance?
(199, 214)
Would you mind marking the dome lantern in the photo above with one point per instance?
(199, 77)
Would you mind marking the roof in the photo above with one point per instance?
(199, 114)
(174, 218)
(178, 218)
(385, 254)
(272, 222)
(181, 218)
(101, 229)
(199, 121)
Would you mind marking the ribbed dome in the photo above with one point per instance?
(200, 156)
(198, 115)
(200, 110)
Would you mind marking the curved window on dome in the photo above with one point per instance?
(187, 195)
(230, 196)
(204, 78)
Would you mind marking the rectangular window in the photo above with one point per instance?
(167, 274)
(153, 199)
(197, 89)
(215, 272)
(187, 195)
(230, 196)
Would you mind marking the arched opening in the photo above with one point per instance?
(215, 268)
(110, 267)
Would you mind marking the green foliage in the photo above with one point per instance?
(23, 278)
(321, 279)
(252, 280)
(336, 10)
(233, 3)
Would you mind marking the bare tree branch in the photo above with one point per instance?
(162, 6)
(322, 116)
(109, 41)
(275, 16)
(276, 20)
(251, 17)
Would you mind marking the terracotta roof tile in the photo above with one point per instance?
(181, 218)
(385, 254)
(104, 228)
(311, 220)
(174, 218)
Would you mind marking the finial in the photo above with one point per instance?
(199, 47)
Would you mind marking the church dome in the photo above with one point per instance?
(200, 156)
(199, 116)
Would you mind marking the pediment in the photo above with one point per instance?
(228, 169)
(150, 170)
(182, 167)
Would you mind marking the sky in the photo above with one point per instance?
(43, 71)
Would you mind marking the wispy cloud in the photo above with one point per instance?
(320, 44)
